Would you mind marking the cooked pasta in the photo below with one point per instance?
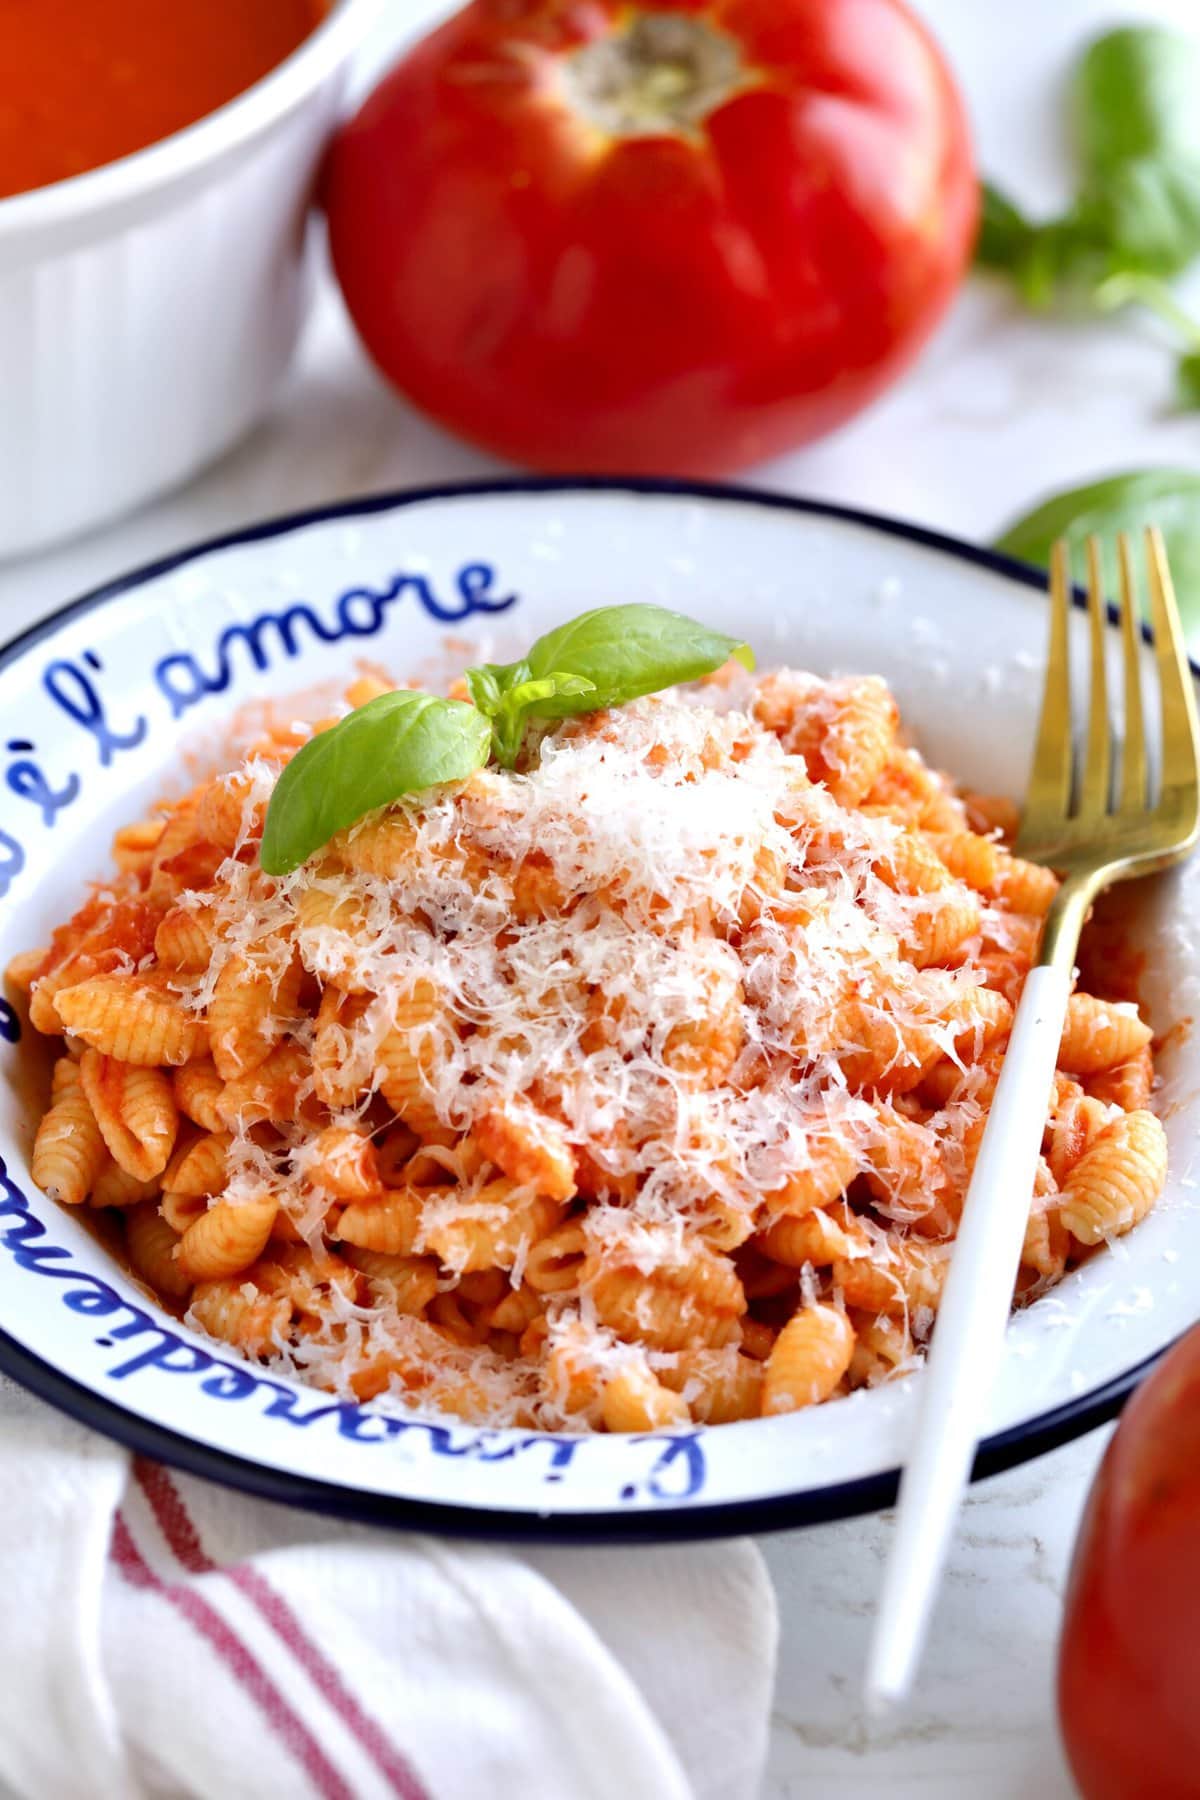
(69, 1153)
(135, 1110)
(225, 1239)
(635, 1088)
(809, 1358)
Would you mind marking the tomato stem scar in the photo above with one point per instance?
(657, 74)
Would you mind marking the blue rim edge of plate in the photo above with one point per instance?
(1020, 1443)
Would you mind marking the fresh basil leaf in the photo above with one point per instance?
(549, 687)
(1042, 260)
(1005, 232)
(484, 688)
(1168, 498)
(1064, 260)
(1133, 288)
(1187, 381)
(1137, 116)
(627, 651)
(1135, 96)
(1146, 215)
(491, 683)
(396, 744)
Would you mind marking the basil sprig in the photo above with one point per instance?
(1135, 220)
(1168, 498)
(506, 693)
(602, 658)
(403, 743)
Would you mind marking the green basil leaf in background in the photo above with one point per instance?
(1005, 232)
(1137, 121)
(1145, 215)
(1135, 95)
(1132, 288)
(396, 744)
(1168, 498)
(1136, 102)
(628, 651)
(1065, 259)
(1040, 259)
(1187, 381)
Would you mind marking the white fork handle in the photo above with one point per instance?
(969, 1340)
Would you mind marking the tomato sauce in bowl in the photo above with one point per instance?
(82, 85)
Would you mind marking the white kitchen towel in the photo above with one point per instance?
(161, 1636)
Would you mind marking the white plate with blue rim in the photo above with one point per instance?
(96, 704)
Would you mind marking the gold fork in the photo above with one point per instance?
(1077, 826)
(1093, 830)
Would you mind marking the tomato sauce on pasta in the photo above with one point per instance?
(640, 1086)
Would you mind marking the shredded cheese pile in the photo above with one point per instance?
(656, 875)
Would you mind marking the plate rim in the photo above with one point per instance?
(1020, 1443)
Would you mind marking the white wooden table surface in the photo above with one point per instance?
(1001, 409)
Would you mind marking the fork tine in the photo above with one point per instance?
(1093, 799)
(1133, 756)
(1049, 791)
(1180, 733)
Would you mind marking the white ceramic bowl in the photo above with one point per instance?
(110, 693)
(148, 309)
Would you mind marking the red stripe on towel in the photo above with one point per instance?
(209, 1624)
(179, 1530)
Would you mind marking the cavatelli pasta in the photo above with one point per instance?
(831, 1168)
(1128, 1085)
(225, 1239)
(1117, 1179)
(530, 1148)
(554, 1262)
(808, 1359)
(343, 1162)
(115, 1186)
(126, 1017)
(198, 1089)
(899, 1278)
(815, 1238)
(249, 1013)
(410, 1283)
(391, 1223)
(692, 1300)
(635, 1400)
(200, 1165)
(341, 1065)
(409, 1053)
(267, 1094)
(490, 1231)
(184, 939)
(150, 1244)
(69, 1151)
(637, 1089)
(718, 1385)
(135, 1110)
(1100, 1035)
(236, 1312)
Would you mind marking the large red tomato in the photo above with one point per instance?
(1130, 1653)
(680, 239)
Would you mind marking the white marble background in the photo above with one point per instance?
(1001, 409)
